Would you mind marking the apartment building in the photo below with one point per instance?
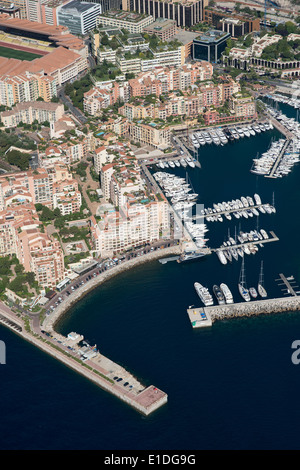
(141, 223)
(163, 28)
(24, 86)
(237, 24)
(32, 111)
(20, 235)
(100, 158)
(20, 5)
(39, 184)
(165, 79)
(43, 256)
(131, 21)
(67, 153)
(97, 99)
(242, 106)
(156, 135)
(67, 197)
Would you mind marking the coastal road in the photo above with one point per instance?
(103, 265)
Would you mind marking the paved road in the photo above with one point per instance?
(105, 266)
(75, 111)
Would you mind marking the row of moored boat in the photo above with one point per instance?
(287, 151)
(223, 293)
(244, 207)
(223, 136)
(230, 250)
(288, 154)
(182, 162)
(291, 101)
(183, 199)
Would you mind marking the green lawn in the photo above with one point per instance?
(16, 54)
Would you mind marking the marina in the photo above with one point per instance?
(152, 303)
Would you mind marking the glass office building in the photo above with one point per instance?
(210, 45)
(79, 17)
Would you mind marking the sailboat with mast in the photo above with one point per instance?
(261, 289)
(242, 284)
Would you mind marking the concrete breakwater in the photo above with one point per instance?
(206, 316)
(99, 369)
(146, 400)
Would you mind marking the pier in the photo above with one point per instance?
(253, 242)
(89, 363)
(280, 127)
(205, 316)
(278, 159)
(290, 289)
(227, 211)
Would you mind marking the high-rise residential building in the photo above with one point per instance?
(139, 222)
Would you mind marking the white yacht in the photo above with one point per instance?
(204, 294)
(235, 133)
(227, 293)
(221, 256)
(190, 162)
(257, 199)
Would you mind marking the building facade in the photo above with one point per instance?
(186, 13)
(79, 17)
(210, 45)
(32, 111)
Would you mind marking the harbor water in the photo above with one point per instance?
(232, 386)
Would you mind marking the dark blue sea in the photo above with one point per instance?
(232, 386)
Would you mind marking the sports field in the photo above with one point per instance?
(17, 54)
